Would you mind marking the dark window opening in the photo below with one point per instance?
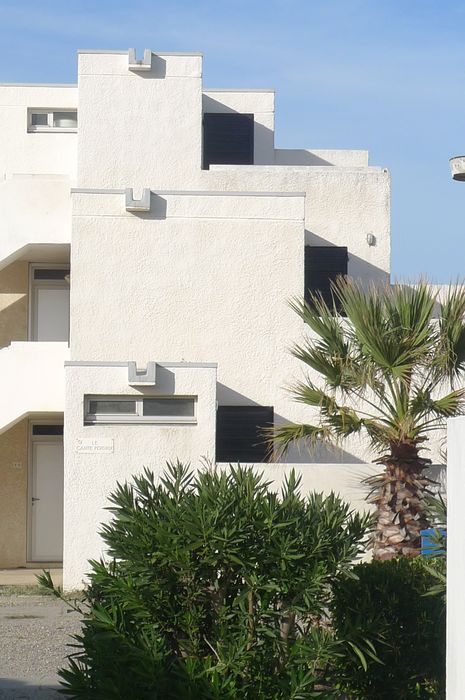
(227, 139)
(42, 273)
(240, 433)
(323, 265)
(47, 430)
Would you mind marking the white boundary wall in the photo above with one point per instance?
(455, 559)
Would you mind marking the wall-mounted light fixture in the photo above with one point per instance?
(371, 239)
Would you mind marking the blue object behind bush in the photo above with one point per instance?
(433, 541)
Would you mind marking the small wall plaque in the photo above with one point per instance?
(93, 446)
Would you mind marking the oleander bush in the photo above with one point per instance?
(217, 588)
(391, 603)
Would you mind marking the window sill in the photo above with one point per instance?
(140, 420)
(51, 130)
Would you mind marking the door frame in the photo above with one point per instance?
(31, 440)
(43, 284)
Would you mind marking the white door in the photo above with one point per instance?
(52, 314)
(47, 501)
(50, 303)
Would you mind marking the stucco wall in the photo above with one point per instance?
(89, 478)
(35, 153)
(13, 495)
(455, 558)
(342, 206)
(32, 380)
(196, 286)
(14, 282)
(158, 139)
(34, 211)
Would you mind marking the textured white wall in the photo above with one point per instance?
(35, 210)
(209, 282)
(35, 153)
(205, 287)
(32, 377)
(342, 205)
(89, 478)
(136, 128)
(455, 558)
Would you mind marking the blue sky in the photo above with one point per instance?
(386, 75)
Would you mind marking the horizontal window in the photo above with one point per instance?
(111, 406)
(130, 409)
(51, 120)
(169, 407)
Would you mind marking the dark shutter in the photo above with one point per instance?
(227, 139)
(323, 264)
(239, 433)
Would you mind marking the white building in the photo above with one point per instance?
(151, 237)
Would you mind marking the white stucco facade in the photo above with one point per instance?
(192, 279)
(455, 558)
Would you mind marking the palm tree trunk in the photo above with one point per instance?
(398, 494)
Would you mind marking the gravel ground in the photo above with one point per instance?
(34, 632)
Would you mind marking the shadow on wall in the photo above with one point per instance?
(13, 303)
(321, 454)
(438, 473)
(358, 268)
(13, 322)
(299, 156)
(295, 454)
(157, 71)
(158, 208)
(19, 690)
(264, 153)
(165, 383)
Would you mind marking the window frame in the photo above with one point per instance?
(50, 128)
(138, 417)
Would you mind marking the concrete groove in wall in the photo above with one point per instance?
(200, 218)
(194, 193)
(205, 91)
(96, 363)
(119, 52)
(123, 75)
(40, 85)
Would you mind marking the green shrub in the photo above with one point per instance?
(388, 602)
(217, 589)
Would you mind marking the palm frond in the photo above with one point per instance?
(383, 361)
(311, 435)
(423, 404)
(391, 324)
(324, 321)
(330, 366)
(449, 357)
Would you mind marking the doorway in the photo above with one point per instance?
(49, 317)
(46, 493)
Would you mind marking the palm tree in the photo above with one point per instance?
(390, 371)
